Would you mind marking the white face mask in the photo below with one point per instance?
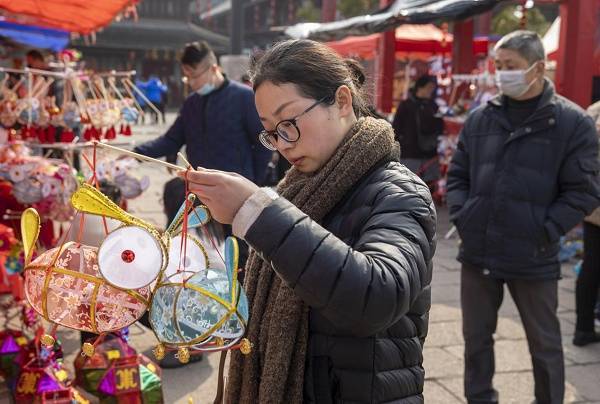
(206, 89)
(513, 83)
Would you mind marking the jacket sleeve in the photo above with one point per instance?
(578, 182)
(165, 145)
(361, 290)
(253, 126)
(458, 177)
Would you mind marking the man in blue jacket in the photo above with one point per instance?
(218, 124)
(524, 173)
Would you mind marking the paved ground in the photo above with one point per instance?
(444, 346)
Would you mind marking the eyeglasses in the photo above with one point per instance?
(286, 129)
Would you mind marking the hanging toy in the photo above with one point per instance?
(195, 258)
(194, 308)
(130, 114)
(58, 184)
(94, 289)
(197, 308)
(131, 186)
(71, 115)
(27, 189)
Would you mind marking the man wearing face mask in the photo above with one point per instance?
(217, 124)
(525, 172)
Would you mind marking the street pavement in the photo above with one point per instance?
(196, 383)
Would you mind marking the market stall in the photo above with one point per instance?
(50, 121)
(412, 41)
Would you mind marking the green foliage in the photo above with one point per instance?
(308, 12)
(508, 21)
(352, 8)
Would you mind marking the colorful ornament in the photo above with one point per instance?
(37, 378)
(87, 288)
(116, 373)
(12, 343)
(207, 311)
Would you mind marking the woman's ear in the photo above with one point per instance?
(343, 99)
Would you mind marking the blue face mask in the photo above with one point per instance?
(206, 89)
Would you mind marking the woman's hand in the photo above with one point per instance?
(222, 192)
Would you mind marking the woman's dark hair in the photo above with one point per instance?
(196, 52)
(316, 69)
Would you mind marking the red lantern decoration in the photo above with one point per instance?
(110, 133)
(67, 136)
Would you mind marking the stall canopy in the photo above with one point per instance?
(397, 13)
(36, 37)
(81, 16)
(411, 41)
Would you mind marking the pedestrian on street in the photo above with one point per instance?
(588, 280)
(417, 127)
(156, 92)
(525, 172)
(218, 123)
(338, 280)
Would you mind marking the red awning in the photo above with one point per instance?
(82, 16)
(411, 41)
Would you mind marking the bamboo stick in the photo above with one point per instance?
(181, 156)
(138, 156)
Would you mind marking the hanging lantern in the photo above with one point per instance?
(94, 289)
(208, 311)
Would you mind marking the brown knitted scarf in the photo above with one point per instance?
(278, 325)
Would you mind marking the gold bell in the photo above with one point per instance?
(159, 352)
(88, 349)
(183, 355)
(48, 340)
(219, 341)
(245, 346)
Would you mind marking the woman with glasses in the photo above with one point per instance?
(339, 273)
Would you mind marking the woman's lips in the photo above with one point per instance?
(297, 161)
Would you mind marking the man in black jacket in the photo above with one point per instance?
(525, 172)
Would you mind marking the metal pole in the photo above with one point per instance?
(237, 27)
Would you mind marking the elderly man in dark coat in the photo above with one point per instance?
(525, 173)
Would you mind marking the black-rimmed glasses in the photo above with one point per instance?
(287, 129)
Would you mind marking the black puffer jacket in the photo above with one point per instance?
(365, 275)
(512, 192)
